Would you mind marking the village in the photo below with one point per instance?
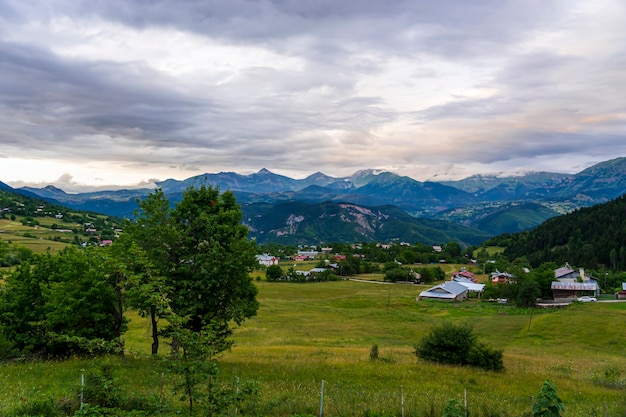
(569, 284)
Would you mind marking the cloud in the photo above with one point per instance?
(150, 89)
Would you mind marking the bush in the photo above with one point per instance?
(457, 345)
(448, 343)
(485, 357)
(374, 352)
(453, 408)
(101, 389)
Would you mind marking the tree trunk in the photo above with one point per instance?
(155, 332)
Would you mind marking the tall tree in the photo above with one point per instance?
(154, 232)
(613, 258)
(211, 264)
(200, 255)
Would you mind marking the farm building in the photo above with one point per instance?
(498, 277)
(471, 286)
(267, 260)
(570, 284)
(622, 294)
(464, 274)
(449, 290)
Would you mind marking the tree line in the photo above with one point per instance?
(593, 237)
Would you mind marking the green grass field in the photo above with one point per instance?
(306, 333)
(39, 238)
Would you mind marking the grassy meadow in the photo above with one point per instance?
(306, 333)
(40, 238)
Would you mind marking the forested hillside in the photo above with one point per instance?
(590, 237)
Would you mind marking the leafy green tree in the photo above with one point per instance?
(273, 273)
(528, 293)
(399, 274)
(211, 262)
(613, 258)
(154, 232)
(453, 249)
(431, 274)
(60, 305)
(544, 275)
(22, 309)
(390, 265)
(126, 269)
(81, 304)
(407, 256)
(350, 266)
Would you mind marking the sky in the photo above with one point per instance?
(103, 94)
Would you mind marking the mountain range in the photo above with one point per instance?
(487, 204)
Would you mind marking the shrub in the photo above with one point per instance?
(374, 352)
(457, 345)
(453, 408)
(485, 357)
(101, 388)
(448, 343)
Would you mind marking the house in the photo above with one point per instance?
(464, 274)
(310, 254)
(300, 258)
(469, 284)
(498, 277)
(567, 273)
(267, 260)
(449, 290)
(333, 267)
(570, 284)
(309, 273)
(622, 294)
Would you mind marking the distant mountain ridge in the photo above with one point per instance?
(493, 204)
(300, 223)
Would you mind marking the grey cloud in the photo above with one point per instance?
(268, 111)
(451, 28)
(88, 97)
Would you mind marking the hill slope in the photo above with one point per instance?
(299, 222)
(588, 237)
